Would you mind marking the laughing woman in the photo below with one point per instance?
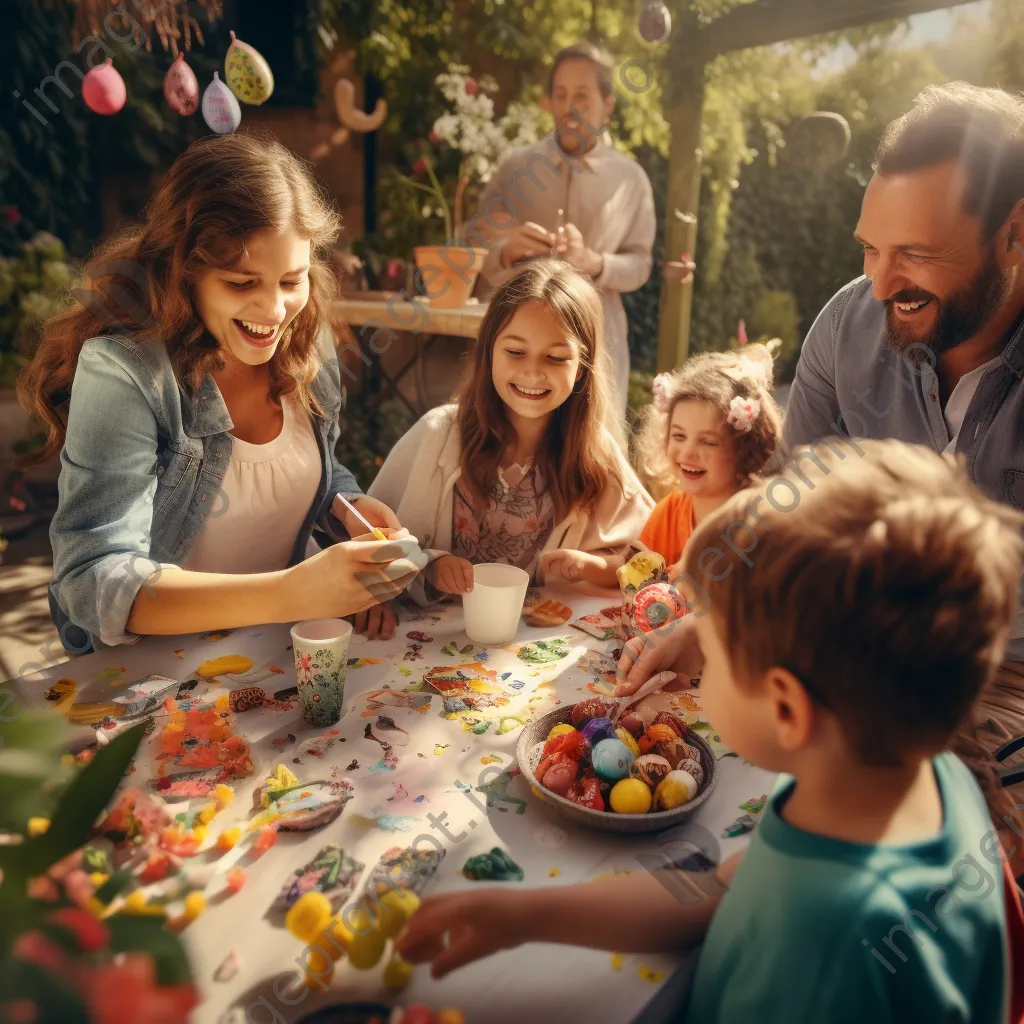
(197, 448)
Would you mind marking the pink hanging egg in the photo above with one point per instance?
(103, 89)
(220, 108)
(181, 87)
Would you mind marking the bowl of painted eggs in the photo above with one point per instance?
(643, 773)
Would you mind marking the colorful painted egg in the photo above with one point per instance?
(656, 734)
(650, 769)
(674, 750)
(247, 73)
(674, 722)
(560, 777)
(598, 729)
(550, 760)
(612, 759)
(587, 792)
(220, 108)
(676, 789)
(560, 730)
(694, 767)
(656, 605)
(181, 87)
(595, 707)
(655, 21)
(633, 723)
(630, 796)
(623, 734)
(572, 743)
(103, 89)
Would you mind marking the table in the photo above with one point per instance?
(437, 760)
(418, 318)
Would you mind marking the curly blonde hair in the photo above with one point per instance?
(731, 381)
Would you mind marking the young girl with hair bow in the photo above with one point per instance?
(712, 427)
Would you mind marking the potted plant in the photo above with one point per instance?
(468, 130)
(71, 950)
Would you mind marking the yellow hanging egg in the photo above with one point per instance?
(247, 73)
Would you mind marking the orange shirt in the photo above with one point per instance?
(670, 526)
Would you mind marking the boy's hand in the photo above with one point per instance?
(476, 925)
(451, 575)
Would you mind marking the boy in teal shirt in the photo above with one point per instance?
(846, 631)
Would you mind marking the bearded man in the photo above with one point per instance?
(928, 346)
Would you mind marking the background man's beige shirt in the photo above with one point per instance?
(606, 195)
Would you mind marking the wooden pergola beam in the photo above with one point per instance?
(761, 23)
(765, 22)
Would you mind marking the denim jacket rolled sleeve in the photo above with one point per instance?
(101, 532)
(141, 472)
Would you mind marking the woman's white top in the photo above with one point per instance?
(268, 490)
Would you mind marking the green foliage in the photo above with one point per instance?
(776, 315)
(35, 781)
(49, 171)
(369, 430)
(405, 44)
(34, 285)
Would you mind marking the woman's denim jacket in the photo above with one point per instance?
(141, 470)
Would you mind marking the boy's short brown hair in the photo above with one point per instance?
(878, 575)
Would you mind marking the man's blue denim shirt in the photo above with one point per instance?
(850, 383)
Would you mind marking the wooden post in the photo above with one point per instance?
(684, 113)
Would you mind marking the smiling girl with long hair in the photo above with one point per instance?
(195, 404)
(521, 469)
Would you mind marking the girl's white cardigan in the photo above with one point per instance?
(418, 479)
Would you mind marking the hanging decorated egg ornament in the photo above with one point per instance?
(103, 89)
(247, 73)
(655, 21)
(181, 87)
(220, 108)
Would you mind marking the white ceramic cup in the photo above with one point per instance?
(320, 647)
(492, 608)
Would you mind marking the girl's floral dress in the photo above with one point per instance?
(512, 527)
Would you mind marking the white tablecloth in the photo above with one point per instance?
(391, 807)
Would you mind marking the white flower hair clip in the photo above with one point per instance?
(742, 413)
(660, 390)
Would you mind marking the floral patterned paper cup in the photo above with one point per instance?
(321, 664)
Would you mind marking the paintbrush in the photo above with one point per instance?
(379, 534)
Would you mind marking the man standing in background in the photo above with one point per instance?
(575, 196)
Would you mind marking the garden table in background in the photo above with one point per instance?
(431, 791)
(367, 312)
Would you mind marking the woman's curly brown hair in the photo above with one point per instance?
(719, 378)
(219, 192)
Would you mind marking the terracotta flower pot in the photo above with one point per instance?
(448, 274)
